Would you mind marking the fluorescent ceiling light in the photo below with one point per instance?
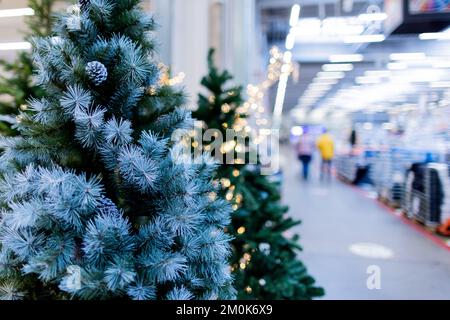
(279, 101)
(325, 81)
(308, 26)
(443, 64)
(295, 14)
(331, 75)
(337, 67)
(15, 46)
(16, 12)
(346, 58)
(365, 38)
(287, 57)
(320, 85)
(378, 16)
(313, 93)
(397, 66)
(440, 84)
(344, 29)
(408, 56)
(343, 26)
(435, 36)
(298, 112)
(317, 85)
(367, 80)
(290, 41)
(417, 77)
(285, 68)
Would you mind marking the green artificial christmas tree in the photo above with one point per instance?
(264, 260)
(97, 200)
(17, 85)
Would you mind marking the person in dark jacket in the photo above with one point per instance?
(305, 149)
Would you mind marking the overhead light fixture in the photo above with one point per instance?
(279, 101)
(376, 16)
(5, 46)
(417, 77)
(313, 93)
(330, 75)
(295, 15)
(16, 12)
(337, 67)
(290, 41)
(440, 84)
(435, 36)
(317, 85)
(285, 68)
(367, 80)
(443, 64)
(397, 66)
(365, 38)
(320, 85)
(287, 57)
(408, 56)
(340, 58)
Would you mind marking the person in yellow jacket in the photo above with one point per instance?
(325, 144)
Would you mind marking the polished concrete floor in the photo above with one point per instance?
(357, 250)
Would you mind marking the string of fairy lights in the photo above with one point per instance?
(254, 105)
(280, 66)
(165, 78)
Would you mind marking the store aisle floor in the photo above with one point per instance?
(336, 217)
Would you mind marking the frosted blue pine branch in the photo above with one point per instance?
(97, 201)
(162, 266)
(138, 169)
(89, 126)
(75, 99)
(118, 132)
(179, 293)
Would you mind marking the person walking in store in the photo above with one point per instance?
(305, 149)
(325, 144)
(353, 139)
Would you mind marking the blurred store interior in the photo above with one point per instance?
(373, 74)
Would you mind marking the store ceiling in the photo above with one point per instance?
(275, 13)
(312, 55)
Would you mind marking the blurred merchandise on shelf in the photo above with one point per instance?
(407, 166)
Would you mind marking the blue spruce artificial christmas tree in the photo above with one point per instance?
(96, 200)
